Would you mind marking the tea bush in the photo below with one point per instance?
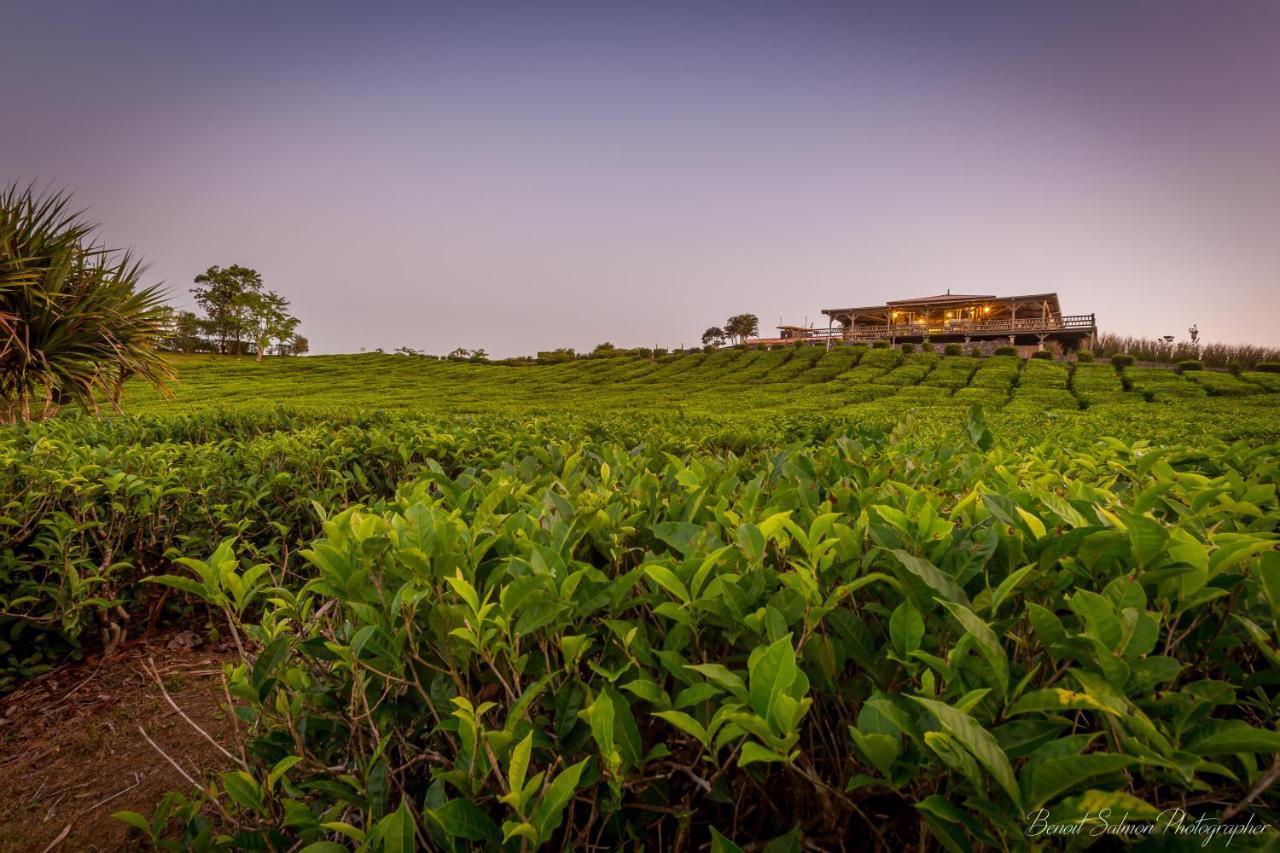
(612, 603)
(582, 645)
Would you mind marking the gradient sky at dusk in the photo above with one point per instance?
(524, 176)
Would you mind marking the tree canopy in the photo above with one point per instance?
(240, 314)
(739, 327)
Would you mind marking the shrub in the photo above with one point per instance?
(567, 685)
(75, 320)
(880, 345)
(1044, 355)
(1084, 356)
(907, 349)
(1268, 367)
(1121, 360)
(1006, 350)
(952, 349)
(1190, 364)
(1212, 354)
(1235, 368)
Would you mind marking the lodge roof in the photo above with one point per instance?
(948, 299)
(945, 297)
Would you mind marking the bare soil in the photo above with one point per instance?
(71, 752)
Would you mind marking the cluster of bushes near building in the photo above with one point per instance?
(1119, 351)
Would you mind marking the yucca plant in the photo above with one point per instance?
(74, 322)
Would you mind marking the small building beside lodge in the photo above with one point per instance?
(1031, 322)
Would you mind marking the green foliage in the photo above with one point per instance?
(1085, 356)
(527, 617)
(739, 327)
(1169, 351)
(1190, 364)
(907, 348)
(75, 323)
(590, 647)
(1042, 354)
(1005, 350)
(952, 349)
(1121, 360)
(556, 356)
(1268, 367)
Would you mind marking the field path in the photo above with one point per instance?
(71, 753)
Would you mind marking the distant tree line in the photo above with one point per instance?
(240, 317)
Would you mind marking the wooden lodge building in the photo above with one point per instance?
(1032, 322)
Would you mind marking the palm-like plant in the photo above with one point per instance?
(74, 323)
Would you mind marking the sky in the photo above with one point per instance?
(524, 176)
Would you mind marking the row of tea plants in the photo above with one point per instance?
(811, 632)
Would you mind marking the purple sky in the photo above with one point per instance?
(524, 176)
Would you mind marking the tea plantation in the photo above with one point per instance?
(704, 602)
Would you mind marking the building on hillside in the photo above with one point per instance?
(791, 336)
(1031, 322)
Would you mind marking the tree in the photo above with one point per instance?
(75, 323)
(187, 330)
(299, 345)
(604, 348)
(227, 297)
(266, 320)
(742, 326)
(243, 313)
(713, 337)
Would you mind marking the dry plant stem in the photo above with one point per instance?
(62, 836)
(137, 782)
(1268, 779)
(165, 756)
(235, 721)
(149, 667)
(176, 766)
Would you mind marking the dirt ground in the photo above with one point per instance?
(71, 753)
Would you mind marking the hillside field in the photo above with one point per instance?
(761, 600)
